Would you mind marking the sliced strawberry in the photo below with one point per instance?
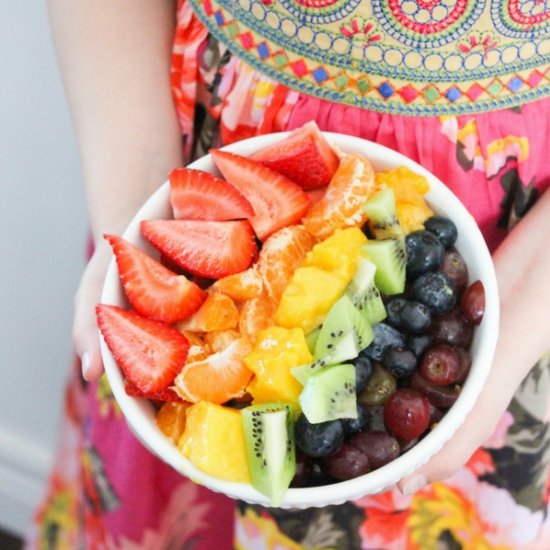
(153, 290)
(197, 195)
(149, 353)
(169, 394)
(205, 248)
(305, 157)
(276, 200)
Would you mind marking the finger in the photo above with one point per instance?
(85, 330)
(85, 334)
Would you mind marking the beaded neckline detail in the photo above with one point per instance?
(423, 57)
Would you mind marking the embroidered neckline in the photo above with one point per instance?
(423, 57)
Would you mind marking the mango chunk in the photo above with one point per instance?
(213, 441)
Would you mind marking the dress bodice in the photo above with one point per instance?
(423, 57)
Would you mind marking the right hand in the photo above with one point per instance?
(88, 295)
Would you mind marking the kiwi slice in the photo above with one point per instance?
(330, 394)
(390, 258)
(344, 333)
(364, 294)
(382, 218)
(311, 339)
(269, 441)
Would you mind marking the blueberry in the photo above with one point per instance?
(317, 440)
(363, 371)
(443, 228)
(424, 252)
(436, 291)
(394, 309)
(415, 317)
(407, 316)
(418, 343)
(354, 425)
(385, 337)
(400, 362)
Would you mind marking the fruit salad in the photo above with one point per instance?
(306, 320)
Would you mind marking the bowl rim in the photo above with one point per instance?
(138, 412)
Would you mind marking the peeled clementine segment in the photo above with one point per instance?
(281, 254)
(170, 419)
(240, 286)
(218, 378)
(256, 315)
(193, 338)
(218, 340)
(218, 312)
(341, 205)
(199, 348)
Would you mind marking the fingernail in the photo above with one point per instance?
(85, 361)
(414, 484)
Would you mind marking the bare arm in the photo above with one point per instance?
(522, 266)
(114, 57)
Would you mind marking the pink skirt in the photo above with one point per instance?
(108, 492)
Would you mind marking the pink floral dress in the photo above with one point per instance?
(484, 136)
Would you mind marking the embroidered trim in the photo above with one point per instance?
(355, 59)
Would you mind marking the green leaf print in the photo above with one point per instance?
(329, 528)
(523, 463)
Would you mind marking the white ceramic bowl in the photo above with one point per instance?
(140, 414)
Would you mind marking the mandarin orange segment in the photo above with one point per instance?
(218, 378)
(256, 315)
(218, 340)
(281, 254)
(170, 419)
(198, 347)
(240, 286)
(341, 205)
(218, 312)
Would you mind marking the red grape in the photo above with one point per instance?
(455, 268)
(465, 364)
(407, 413)
(472, 303)
(380, 447)
(346, 463)
(441, 365)
(441, 397)
(452, 329)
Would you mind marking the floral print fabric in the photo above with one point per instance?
(108, 492)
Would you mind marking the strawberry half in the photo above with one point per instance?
(169, 394)
(205, 248)
(153, 290)
(197, 195)
(304, 156)
(149, 353)
(277, 201)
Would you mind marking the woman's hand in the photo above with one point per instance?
(522, 265)
(85, 331)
